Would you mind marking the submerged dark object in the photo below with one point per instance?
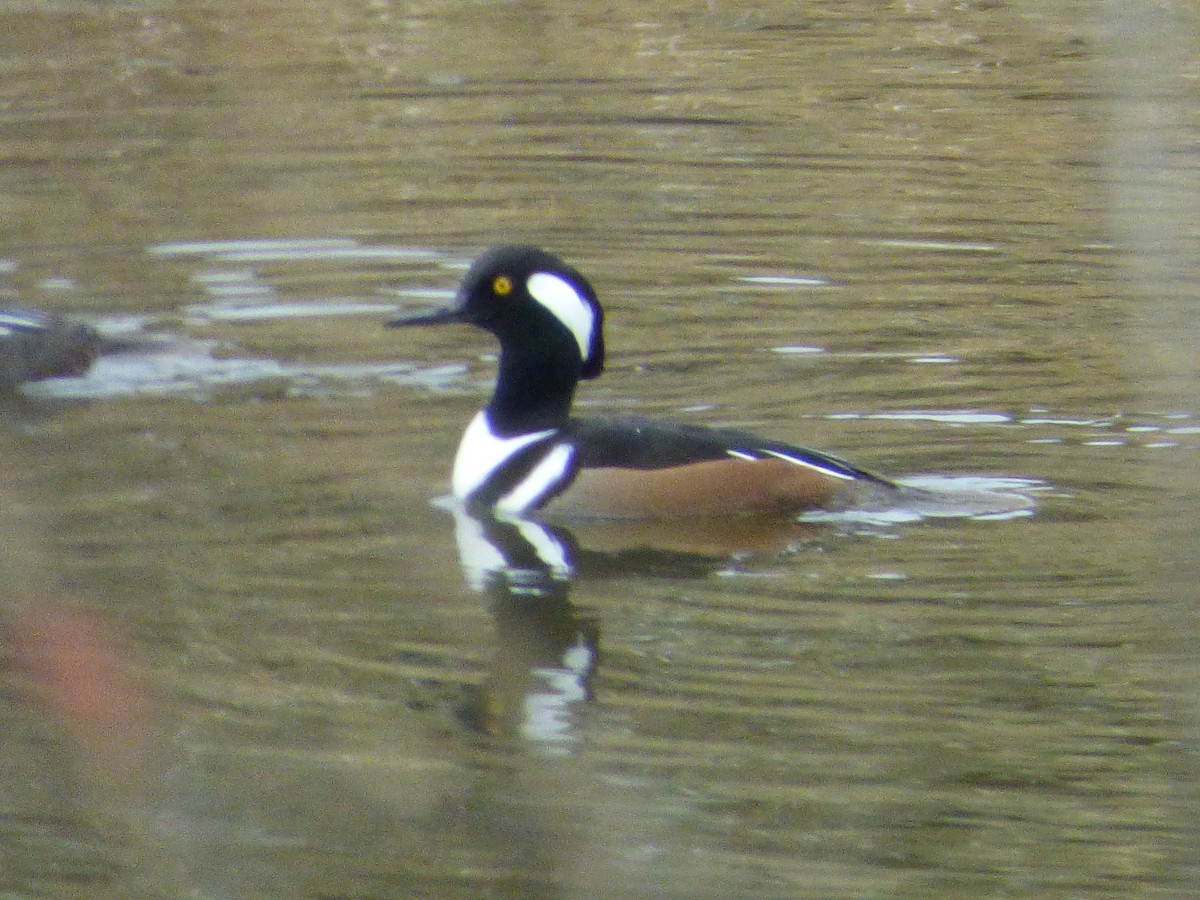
(35, 344)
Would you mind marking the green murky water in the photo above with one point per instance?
(897, 232)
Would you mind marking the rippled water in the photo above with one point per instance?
(917, 235)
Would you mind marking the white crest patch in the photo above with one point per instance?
(481, 452)
(540, 480)
(562, 299)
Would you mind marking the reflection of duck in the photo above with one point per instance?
(526, 557)
(524, 453)
(36, 345)
(546, 654)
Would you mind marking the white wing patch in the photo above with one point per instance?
(787, 457)
(15, 321)
(481, 452)
(562, 299)
(800, 461)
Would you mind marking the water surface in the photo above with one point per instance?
(887, 232)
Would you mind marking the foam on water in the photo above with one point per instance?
(982, 498)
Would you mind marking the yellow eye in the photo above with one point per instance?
(502, 286)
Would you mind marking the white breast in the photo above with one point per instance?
(481, 452)
(482, 456)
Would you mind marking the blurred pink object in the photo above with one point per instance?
(80, 673)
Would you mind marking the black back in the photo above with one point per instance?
(636, 443)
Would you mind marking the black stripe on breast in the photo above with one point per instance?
(508, 477)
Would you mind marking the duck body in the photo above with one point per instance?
(35, 344)
(524, 454)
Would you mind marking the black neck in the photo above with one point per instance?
(534, 389)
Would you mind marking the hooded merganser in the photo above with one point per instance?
(524, 454)
(35, 344)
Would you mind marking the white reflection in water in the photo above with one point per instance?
(941, 497)
(190, 369)
(315, 246)
(262, 312)
(783, 281)
(550, 713)
(797, 350)
(945, 246)
(949, 417)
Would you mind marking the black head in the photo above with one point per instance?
(525, 295)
